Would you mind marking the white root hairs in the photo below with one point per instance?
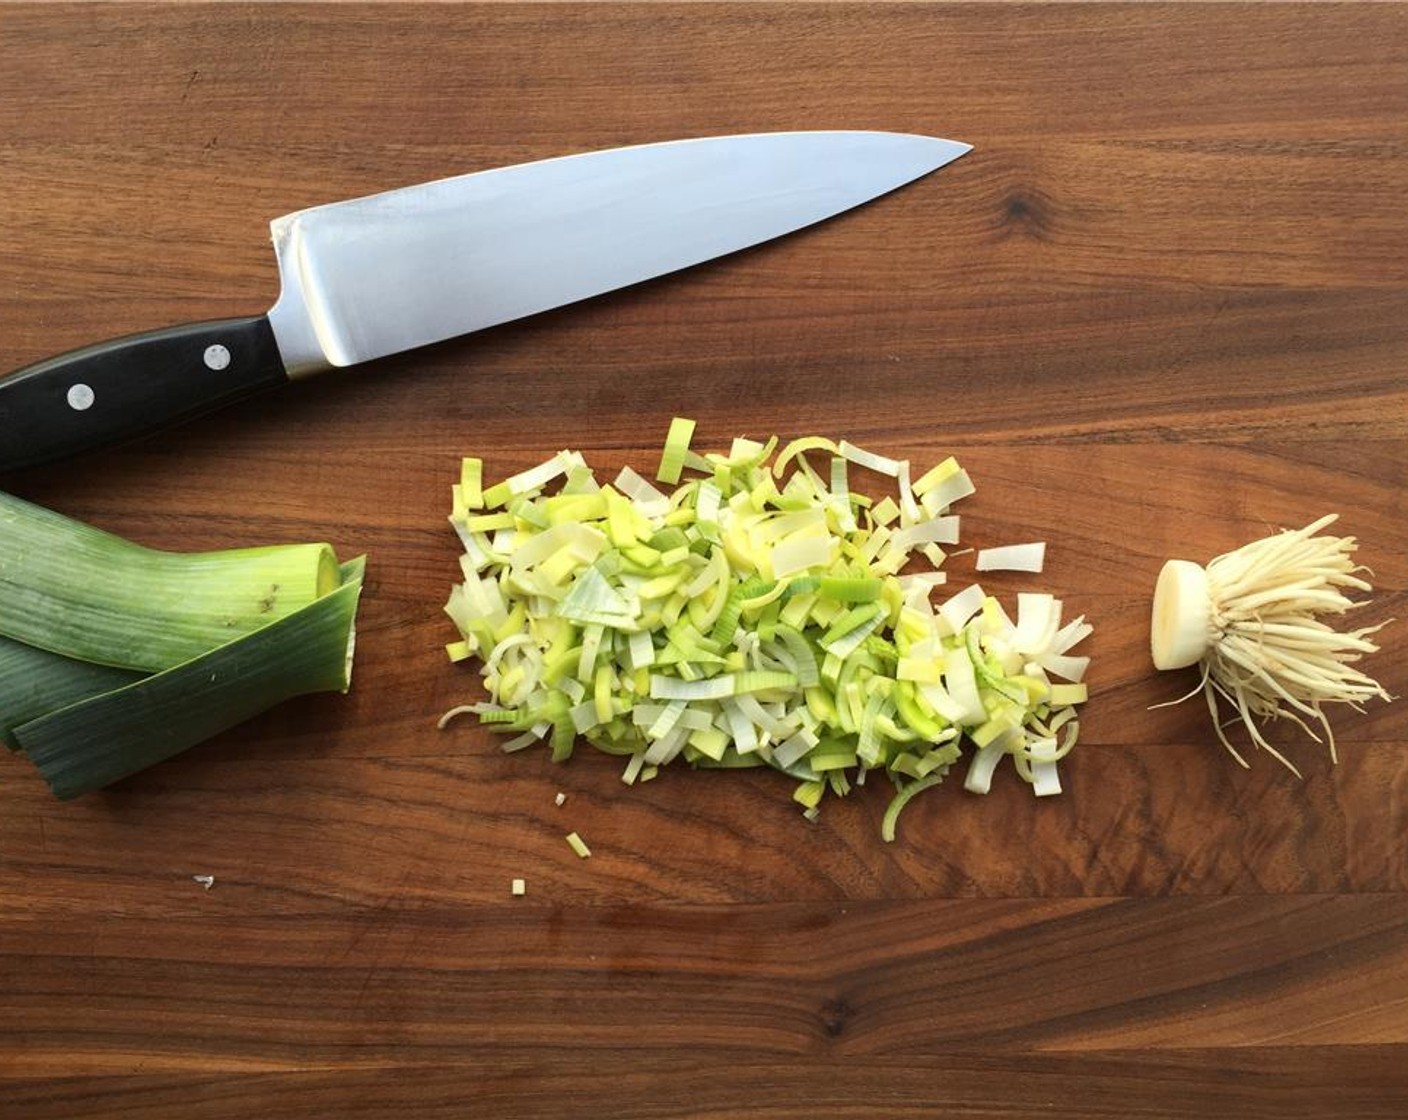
(1270, 657)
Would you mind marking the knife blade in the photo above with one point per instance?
(374, 276)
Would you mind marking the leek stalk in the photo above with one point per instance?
(114, 657)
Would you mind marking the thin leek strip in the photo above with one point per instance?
(708, 744)
(585, 717)
(948, 490)
(520, 742)
(844, 646)
(593, 600)
(1064, 695)
(633, 768)
(1038, 622)
(938, 473)
(639, 490)
(851, 620)
(937, 530)
(535, 478)
(676, 445)
(1013, 558)
(707, 503)
(472, 483)
(665, 749)
(642, 649)
(1064, 665)
(744, 455)
(980, 770)
(909, 508)
(961, 687)
(775, 726)
(959, 608)
(840, 502)
(897, 803)
(729, 616)
(850, 589)
(884, 512)
(800, 552)
(809, 794)
(1045, 780)
(151, 720)
(800, 447)
(794, 748)
(804, 665)
(666, 721)
(929, 727)
(649, 715)
(719, 688)
(758, 602)
(862, 458)
(743, 729)
(831, 756)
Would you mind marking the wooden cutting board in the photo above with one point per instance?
(1160, 310)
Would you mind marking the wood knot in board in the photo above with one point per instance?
(836, 1016)
(1028, 212)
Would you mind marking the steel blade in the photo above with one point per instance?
(377, 275)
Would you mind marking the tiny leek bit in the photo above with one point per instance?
(1249, 621)
(114, 657)
(758, 612)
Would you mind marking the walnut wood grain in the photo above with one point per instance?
(1162, 308)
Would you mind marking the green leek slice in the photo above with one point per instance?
(676, 446)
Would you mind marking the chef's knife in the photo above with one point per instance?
(374, 276)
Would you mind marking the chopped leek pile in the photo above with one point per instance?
(761, 611)
(114, 657)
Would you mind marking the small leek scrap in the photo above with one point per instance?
(1249, 621)
(761, 612)
(114, 657)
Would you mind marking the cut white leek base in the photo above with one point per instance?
(762, 611)
(114, 656)
(1250, 621)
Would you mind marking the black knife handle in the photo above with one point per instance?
(116, 390)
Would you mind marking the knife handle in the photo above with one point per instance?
(116, 390)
